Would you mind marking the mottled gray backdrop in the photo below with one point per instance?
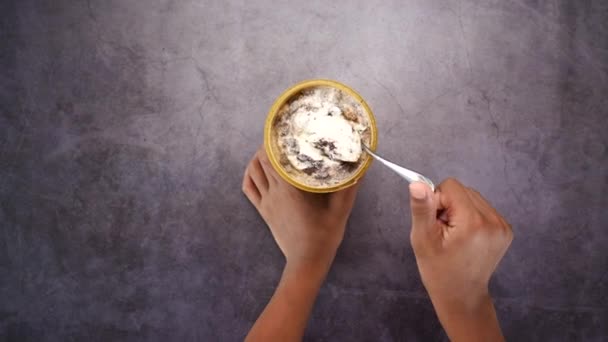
(125, 126)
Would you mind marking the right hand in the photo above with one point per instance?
(458, 239)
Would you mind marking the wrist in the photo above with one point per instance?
(318, 262)
(312, 269)
(469, 319)
(469, 305)
(464, 298)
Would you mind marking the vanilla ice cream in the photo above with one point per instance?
(319, 134)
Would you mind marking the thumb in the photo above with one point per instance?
(424, 208)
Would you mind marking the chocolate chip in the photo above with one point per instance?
(349, 167)
(315, 165)
(292, 145)
(323, 144)
(304, 158)
(309, 170)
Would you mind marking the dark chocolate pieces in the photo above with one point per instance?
(327, 147)
(315, 168)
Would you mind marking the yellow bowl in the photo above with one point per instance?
(272, 150)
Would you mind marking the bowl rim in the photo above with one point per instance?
(286, 96)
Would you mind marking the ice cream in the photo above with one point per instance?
(319, 134)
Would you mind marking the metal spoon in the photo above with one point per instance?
(409, 175)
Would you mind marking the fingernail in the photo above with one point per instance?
(417, 190)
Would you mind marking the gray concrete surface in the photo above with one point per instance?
(125, 127)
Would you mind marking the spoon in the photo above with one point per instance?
(409, 175)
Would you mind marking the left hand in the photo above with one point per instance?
(307, 227)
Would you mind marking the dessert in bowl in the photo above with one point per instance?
(313, 136)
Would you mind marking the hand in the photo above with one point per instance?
(307, 227)
(458, 240)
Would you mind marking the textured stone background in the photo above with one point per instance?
(125, 127)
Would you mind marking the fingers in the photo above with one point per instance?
(255, 179)
(271, 174)
(453, 194)
(487, 209)
(250, 190)
(424, 209)
(482, 205)
(258, 175)
(345, 198)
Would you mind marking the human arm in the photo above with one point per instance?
(308, 228)
(458, 239)
(286, 315)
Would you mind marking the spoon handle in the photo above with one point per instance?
(407, 174)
